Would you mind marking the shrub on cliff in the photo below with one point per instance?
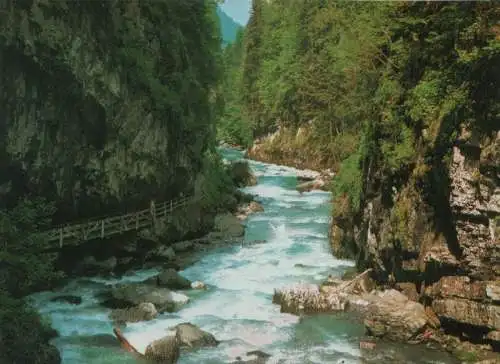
(214, 185)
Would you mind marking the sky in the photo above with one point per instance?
(239, 10)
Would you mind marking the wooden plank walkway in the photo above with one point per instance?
(118, 224)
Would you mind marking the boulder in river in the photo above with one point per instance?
(165, 350)
(253, 357)
(192, 336)
(132, 294)
(388, 314)
(227, 226)
(169, 278)
(145, 311)
(198, 285)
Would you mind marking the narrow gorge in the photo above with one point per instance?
(339, 163)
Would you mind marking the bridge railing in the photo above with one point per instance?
(117, 224)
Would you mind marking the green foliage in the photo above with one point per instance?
(22, 268)
(349, 181)
(382, 88)
(214, 185)
(24, 334)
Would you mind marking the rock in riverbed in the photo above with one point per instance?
(389, 314)
(192, 336)
(169, 278)
(132, 294)
(142, 312)
(247, 209)
(167, 349)
(253, 357)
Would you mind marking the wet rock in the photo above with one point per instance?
(132, 294)
(198, 285)
(191, 336)
(169, 278)
(390, 314)
(142, 312)
(245, 210)
(227, 226)
(164, 351)
(253, 357)
(74, 300)
(241, 174)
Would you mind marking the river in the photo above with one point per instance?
(237, 307)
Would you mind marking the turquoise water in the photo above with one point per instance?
(237, 308)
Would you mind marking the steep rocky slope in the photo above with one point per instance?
(446, 254)
(101, 107)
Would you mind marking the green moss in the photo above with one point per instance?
(349, 182)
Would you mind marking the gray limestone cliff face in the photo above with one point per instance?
(456, 269)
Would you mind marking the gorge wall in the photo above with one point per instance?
(438, 240)
(102, 108)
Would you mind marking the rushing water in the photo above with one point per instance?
(237, 308)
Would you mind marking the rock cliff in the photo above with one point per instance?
(101, 107)
(439, 237)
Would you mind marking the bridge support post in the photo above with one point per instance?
(102, 229)
(60, 237)
(153, 213)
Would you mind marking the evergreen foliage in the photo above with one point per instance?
(379, 85)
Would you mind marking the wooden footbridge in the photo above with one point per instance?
(118, 224)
